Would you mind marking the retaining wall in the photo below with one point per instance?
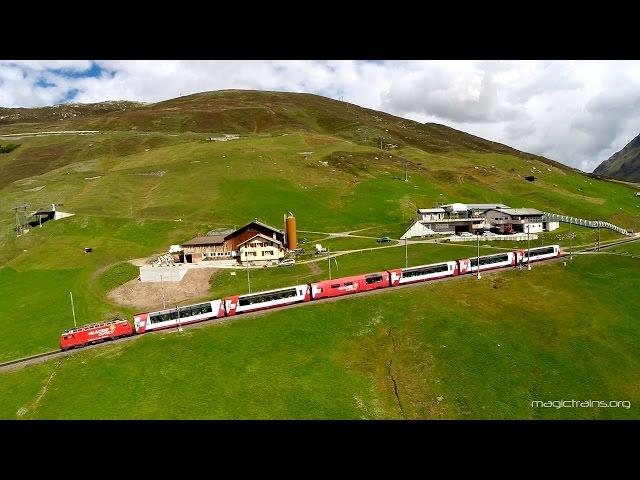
(164, 274)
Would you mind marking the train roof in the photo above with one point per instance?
(92, 325)
(428, 265)
(173, 309)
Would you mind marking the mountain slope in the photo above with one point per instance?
(624, 164)
(256, 112)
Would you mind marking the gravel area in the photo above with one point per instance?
(148, 295)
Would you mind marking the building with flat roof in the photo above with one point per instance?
(515, 220)
(456, 218)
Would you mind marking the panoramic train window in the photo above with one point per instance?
(183, 312)
(372, 279)
(489, 260)
(425, 270)
(193, 310)
(267, 297)
(540, 251)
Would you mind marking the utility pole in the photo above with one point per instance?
(406, 164)
(381, 143)
(179, 326)
(478, 264)
(528, 247)
(598, 236)
(406, 254)
(73, 310)
(19, 226)
(329, 258)
(248, 275)
(570, 239)
(164, 306)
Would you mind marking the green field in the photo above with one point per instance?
(460, 349)
(152, 179)
(352, 243)
(567, 238)
(627, 248)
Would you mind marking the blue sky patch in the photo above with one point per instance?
(42, 83)
(94, 71)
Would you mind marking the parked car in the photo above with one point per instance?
(383, 239)
(465, 234)
(287, 262)
(488, 234)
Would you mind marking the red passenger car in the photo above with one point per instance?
(94, 333)
(348, 285)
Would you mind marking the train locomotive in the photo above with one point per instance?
(238, 304)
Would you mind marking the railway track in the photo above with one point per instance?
(54, 354)
(51, 355)
(611, 243)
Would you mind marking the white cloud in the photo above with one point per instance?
(576, 112)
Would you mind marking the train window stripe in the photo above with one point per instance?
(489, 260)
(267, 297)
(539, 251)
(414, 272)
(182, 312)
(373, 278)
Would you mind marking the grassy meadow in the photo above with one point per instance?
(463, 349)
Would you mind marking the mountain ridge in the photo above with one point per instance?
(251, 111)
(624, 164)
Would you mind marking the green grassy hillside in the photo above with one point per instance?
(462, 349)
(152, 178)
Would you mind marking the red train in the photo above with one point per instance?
(235, 304)
(94, 333)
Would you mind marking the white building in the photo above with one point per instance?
(455, 218)
(524, 220)
(450, 219)
(260, 248)
(428, 214)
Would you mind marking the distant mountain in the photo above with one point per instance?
(62, 112)
(624, 164)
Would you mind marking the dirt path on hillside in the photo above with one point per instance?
(314, 268)
(148, 295)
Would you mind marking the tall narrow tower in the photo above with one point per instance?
(290, 229)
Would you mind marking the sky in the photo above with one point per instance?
(576, 112)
